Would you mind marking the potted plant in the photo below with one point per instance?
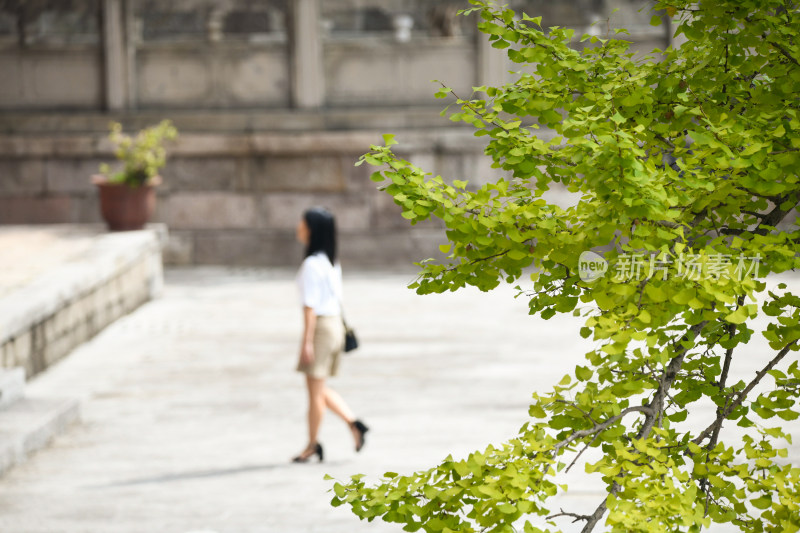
(127, 196)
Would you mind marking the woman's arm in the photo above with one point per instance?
(307, 343)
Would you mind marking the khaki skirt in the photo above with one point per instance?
(328, 346)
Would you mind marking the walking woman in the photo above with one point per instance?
(320, 283)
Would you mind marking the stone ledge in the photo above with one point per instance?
(108, 275)
(12, 385)
(30, 424)
(109, 253)
(385, 119)
(446, 140)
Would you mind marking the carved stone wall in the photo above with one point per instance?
(275, 100)
(243, 54)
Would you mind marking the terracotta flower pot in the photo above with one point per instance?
(123, 207)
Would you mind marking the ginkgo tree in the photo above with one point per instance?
(684, 166)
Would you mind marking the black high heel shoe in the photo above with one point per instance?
(303, 458)
(359, 426)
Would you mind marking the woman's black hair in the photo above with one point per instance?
(322, 232)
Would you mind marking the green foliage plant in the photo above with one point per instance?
(694, 153)
(141, 155)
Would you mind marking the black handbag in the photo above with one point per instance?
(350, 340)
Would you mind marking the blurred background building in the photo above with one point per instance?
(275, 100)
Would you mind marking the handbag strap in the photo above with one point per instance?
(338, 297)
(341, 311)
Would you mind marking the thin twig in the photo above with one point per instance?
(597, 429)
(578, 456)
(577, 517)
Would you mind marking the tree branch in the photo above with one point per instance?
(578, 456)
(723, 379)
(468, 103)
(601, 510)
(773, 217)
(647, 410)
(785, 53)
(478, 260)
(741, 396)
(665, 383)
(577, 517)
(731, 331)
(652, 413)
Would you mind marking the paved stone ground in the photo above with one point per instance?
(192, 409)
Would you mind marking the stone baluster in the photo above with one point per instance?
(307, 72)
(115, 56)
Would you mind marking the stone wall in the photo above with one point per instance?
(275, 101)
(93, 55)
(235, 199)
(232, 76)
(36, 78)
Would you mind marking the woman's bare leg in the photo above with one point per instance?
(335, 403)
(316, 407)
(321, 397)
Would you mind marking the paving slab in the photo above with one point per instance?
(192, 409)
(30, 424)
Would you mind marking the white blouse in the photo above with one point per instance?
(320, 285)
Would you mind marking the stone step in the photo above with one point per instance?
(29, 424)
(12, 386)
